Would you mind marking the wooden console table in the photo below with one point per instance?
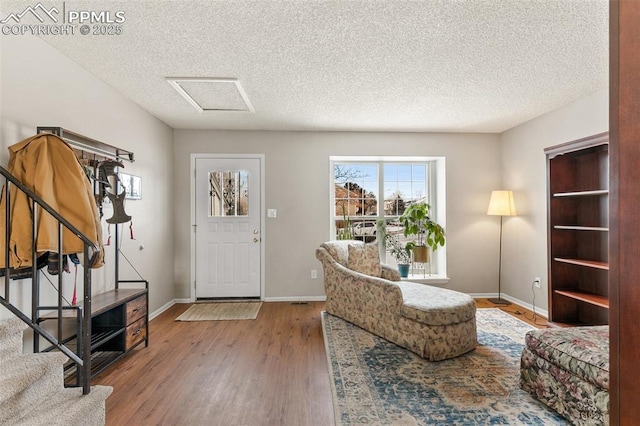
(119, 323)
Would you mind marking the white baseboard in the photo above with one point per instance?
(538, 311)
(296, 299)
(160, 310)
(167, 305)
(268, 299)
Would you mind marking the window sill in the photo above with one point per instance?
(428, 279)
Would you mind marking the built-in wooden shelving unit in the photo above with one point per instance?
(578, 235)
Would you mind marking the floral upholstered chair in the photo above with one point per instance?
(568, 370)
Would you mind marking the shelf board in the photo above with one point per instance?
(582, 193)
(101, 337)
(100, 303)
(582, 262)
(99, 361)
(593, 299)
(581, 228)
(98, 338)
(85, 143)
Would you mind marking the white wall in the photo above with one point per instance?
(297, 185)
(524, 171)
(41, 87)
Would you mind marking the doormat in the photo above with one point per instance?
(225, 311)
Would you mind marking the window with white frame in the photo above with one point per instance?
(368, 191)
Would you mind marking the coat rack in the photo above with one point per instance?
(84, 143)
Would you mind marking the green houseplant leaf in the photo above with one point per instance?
(416, 221)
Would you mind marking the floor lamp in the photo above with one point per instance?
(501, 204)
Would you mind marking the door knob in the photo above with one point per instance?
(255, 240)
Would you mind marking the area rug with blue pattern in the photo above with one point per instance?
(376, 382)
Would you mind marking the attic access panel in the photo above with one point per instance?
(212, 94)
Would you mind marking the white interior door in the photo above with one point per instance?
(228, 234)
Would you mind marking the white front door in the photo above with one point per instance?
(228, 234)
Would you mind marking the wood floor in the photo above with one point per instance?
(517, 311)
(271, 371)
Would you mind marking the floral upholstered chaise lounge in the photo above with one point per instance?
(434, 323)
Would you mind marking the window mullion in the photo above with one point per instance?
(380, 210)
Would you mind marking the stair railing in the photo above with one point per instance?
(82, 356)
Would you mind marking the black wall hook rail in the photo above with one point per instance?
(85, 143)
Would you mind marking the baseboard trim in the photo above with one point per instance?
(163, 308)
(538, 311)
(267, 299)
(296, 299)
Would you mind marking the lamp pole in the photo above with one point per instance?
(499, 300)
(501, 204)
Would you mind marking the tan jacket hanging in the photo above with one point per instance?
(48, 166)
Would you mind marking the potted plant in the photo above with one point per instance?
(402, 254)
(346, 232)
(416, 221)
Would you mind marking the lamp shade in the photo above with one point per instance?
(501, 204)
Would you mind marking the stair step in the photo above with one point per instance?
(68, 407)
(11, 338)
(28, 381)
(32, 391)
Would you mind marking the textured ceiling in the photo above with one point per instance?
(449, 65)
